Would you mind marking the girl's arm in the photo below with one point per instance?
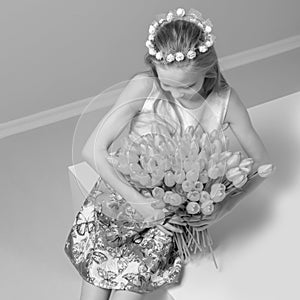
(110, 127)
(240, 123)
(242, 128)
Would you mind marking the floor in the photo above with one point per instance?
(36, 212)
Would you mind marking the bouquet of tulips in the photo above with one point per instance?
(189, 175)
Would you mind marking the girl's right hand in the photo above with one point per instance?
(146, 212)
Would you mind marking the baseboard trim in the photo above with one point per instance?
(73, 109)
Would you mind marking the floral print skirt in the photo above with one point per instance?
(119, 257)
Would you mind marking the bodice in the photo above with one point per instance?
(210, 115)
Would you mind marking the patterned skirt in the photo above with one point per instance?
(120, 257)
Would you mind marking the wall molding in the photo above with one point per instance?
(75, 108)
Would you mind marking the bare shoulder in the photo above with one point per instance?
(136, 92)
(237, 113)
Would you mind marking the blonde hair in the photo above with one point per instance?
(180, 36)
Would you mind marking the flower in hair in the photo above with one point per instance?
(180, 12)
(202, 48)
(191, 54)
(170, 57)
(194, 17)
(170, 16)
(151, 37)
(151, 29)
(207, 29)
(179, 56)
(152, 51)
(149, 44)
(159, 55)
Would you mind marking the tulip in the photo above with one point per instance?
(158, 193)
(207, 207)
(234, 160)
(196, 166)
(204, 196)
(240, 180)
(167, 196)
(158, 140)
(135, 167)
(155, 181)
(224, 155)
(178, 189)
(233, 172)
(169, 179)
(265, 170)
(126, 141)
(175, 199)
(217, 146)
(217, 192)
(193, 195)
(192, 175)
(225, 142)
(132, 156)
(179, 176)
(198, 185)
(151, 165)
(202, 164)
(123, 168)
(215, 157)
(203, 176)
(204, 140)
(198, 131)
(187, 185)
(213, 135)
(193, 208)
(183, 148)
(222, 168)
(113, 160)
(246, 162)
(158, 172)
(145, 179)
(186, 138)
(187, 164)
(170, 145)
(203, 155)
(194, 150)
(143, 162)
(135, 148)
(158, 204)
(213, 172)
(190, 130)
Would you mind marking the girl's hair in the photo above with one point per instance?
(181, 36)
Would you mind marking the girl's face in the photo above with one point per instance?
(183, 84)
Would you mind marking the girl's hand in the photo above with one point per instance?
(146, 212)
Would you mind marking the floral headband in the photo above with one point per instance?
(193, 16)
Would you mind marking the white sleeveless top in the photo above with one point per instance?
(210, 115)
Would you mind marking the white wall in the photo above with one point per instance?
(56, 52)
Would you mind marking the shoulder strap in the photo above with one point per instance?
(226, 98)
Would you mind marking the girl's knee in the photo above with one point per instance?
(91, 292)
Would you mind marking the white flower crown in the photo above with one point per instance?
(193, 16)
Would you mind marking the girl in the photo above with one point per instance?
(184, 86)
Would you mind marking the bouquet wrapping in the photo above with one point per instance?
(189, 174)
